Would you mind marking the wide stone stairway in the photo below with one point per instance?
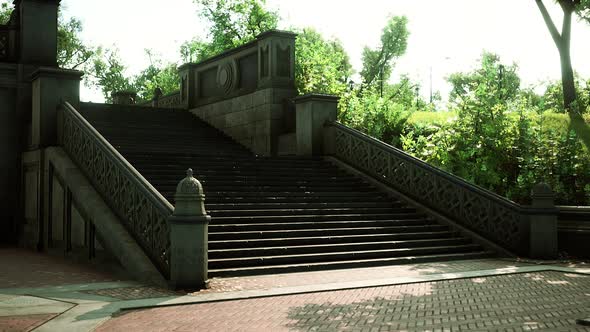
(275, 214)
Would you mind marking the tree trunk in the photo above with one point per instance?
(567, 79)
(567, 73)
(562, 41)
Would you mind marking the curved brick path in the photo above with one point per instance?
(543, 300)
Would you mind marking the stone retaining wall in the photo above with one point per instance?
(254, 120)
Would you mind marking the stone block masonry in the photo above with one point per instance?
(254, 120)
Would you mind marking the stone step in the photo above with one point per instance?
(356, 263)
(214, 227)
(170, 187)
(275, 214)
(309, 211)
(329, 205)
(275, 234)
(307, 239)
(398, 214)
(300, 199)
(337, 256)
(334, 248)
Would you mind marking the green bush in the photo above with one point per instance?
(526, 149)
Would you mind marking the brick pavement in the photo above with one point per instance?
(550, 301)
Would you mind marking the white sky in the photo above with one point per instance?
(447, 35)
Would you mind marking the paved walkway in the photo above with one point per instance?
(43, 293)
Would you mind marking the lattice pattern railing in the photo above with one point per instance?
(171, 100)
(493, 216)
(142, 209)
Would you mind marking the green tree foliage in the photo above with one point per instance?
(498, 138)
(232, 23)
(156, 75)
(5, 11)
(72, 52)
(473, 146)
(322, 66)
(552, 99)
(491, 84)
(375, 106)
(377, 63)
(108, 72)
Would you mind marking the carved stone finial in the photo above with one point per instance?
(189, 196)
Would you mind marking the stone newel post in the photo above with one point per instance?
(311, 113)
(188, 236)
(543, 223)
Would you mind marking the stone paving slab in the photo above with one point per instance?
(31, 305)
(516, 302)
(23, 268)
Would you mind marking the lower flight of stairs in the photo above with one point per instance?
(275, 214)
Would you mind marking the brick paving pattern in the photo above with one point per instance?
(133, 293)
(550, 301)
(23, 323)
(25, 268)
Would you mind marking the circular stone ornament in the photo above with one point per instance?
(225, 76)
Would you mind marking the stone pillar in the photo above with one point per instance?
(543, 223)
(124, 97)
(276, 59)
(188, 89)
(188, 236)
(51, 86)
(38, 31)
(312, 112)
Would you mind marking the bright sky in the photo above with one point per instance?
(447, 36)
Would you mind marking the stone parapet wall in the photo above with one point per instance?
(255, 120)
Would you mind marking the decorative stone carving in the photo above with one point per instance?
(226, 73)
(189, 197)
(142, 213)
(189, 235)
(496, 218)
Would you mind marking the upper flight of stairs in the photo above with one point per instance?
(275, 214)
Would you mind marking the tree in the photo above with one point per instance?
(552, 99)
(377, 63)
(5, 11)
(232, 23)
(72, 52)
(157, 75)
(321, 66)
(108, 72)
(491, 84)
(563, 40)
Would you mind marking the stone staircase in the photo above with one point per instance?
(275, 214)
